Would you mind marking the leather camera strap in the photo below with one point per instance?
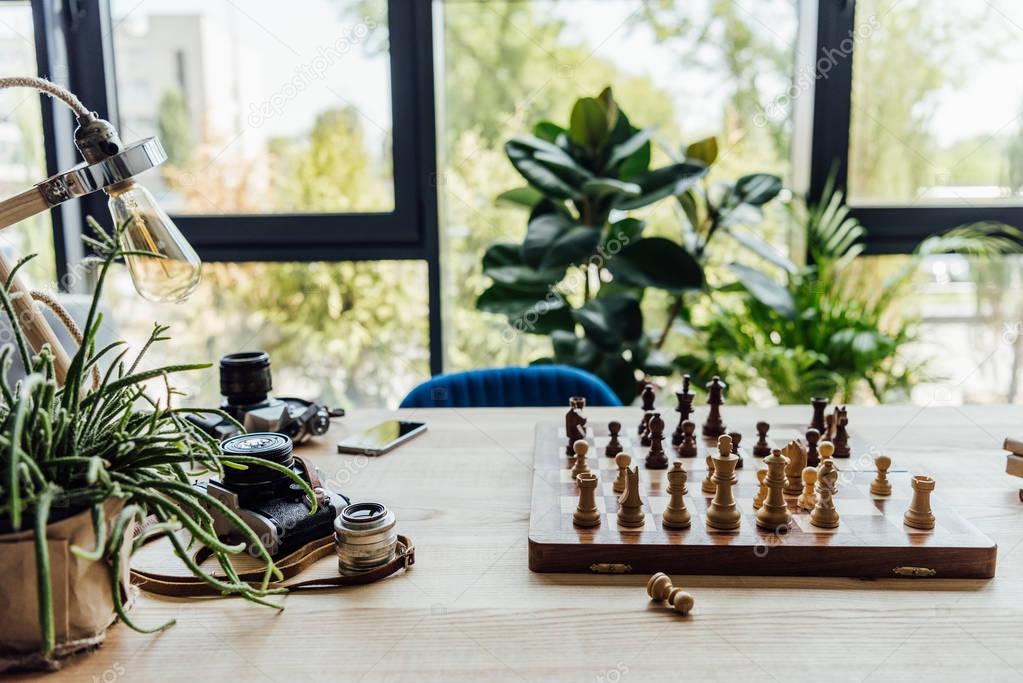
(290, 566)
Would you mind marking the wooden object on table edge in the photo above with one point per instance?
(1014, 460)
(33, 323)
(956, 549)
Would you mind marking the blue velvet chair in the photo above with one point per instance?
(536, 385)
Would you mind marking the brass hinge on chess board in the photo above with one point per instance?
(916, 572)
(611, 568)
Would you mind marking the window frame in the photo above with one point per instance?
(84, 28)
(892, 228)
(74, 44)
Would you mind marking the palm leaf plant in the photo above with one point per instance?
(831, 328)
(73, 448)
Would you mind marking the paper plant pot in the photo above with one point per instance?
(82, 600)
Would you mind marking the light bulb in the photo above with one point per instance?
(146, 227)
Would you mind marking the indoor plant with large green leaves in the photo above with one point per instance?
(99, 457)
(583, 270)
(829, 328)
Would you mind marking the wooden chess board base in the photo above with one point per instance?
(871, 541)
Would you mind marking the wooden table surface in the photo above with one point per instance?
(470, 610)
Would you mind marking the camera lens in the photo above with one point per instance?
(245, 377)
(268, 446)
(365, 537)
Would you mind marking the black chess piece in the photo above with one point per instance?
(687, 449)
(841, 439)
(656, 459)
(714, 426)
(817, 421)
(575, 429)
(813, 457)
(614, 446)
(644, 429)
(736, 438)
(649, 399)
(684, 410)
(762, 449)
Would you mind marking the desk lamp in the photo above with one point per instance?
(110, 166)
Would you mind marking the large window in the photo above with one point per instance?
(22, 153)
(917, 114)
(260, 110)
(946, 126)
(343, 333)
(326, 161)
(688, 69)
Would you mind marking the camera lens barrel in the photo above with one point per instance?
(245, 377)
(265, 445)
(365, 537)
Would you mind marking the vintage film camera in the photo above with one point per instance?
(269, 501)
(245, 384)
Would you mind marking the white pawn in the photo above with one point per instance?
(581, 448)
(622, 460)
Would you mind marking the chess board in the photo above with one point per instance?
(870, 542)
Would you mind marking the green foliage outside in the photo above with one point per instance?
(348, 333)
(175, 128)
(505, 65)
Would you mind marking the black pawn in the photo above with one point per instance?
(614, 446)
(687, 449)
(813, 457)
(762, 449)
(736, 438)
(656, 459)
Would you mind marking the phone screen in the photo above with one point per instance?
(382, 437)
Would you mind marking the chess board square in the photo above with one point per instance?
(802, 521)
(600, 444)
(566, 476)
(856, 506)
(568, 504)
(897, 521)
(657, 504)
(612, 520)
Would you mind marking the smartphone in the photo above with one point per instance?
(381, 438)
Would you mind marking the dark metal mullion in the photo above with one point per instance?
(832, 101)
(426, 139)
(58, 136)
(410, 231)
(90, 52)
(890, 229)
(330, 252)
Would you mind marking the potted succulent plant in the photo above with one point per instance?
(83, 466)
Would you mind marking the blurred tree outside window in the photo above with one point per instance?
(266, 111)
(299, 121)
(690, 69)
(22, 154)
